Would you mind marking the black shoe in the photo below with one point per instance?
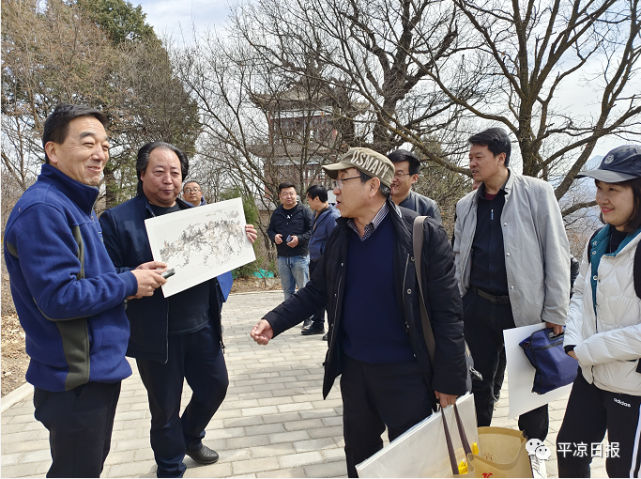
(204, 455)
(315, 328)
(325, 337)
(307, 323)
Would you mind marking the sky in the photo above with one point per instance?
(177, 20)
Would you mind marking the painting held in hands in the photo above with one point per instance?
(200, 243)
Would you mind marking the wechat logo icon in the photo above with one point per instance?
(535, 447)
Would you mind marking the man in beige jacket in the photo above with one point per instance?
(512, 261)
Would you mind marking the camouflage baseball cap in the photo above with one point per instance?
(366, 161)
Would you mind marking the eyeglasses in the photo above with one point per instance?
(339, 183)
(192, 190)
(400, 174)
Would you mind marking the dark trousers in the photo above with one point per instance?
(198, 358)
(484, 325)
(319, 316)
(589, 413)
(80, 423)
(500, 375)
(376, 395)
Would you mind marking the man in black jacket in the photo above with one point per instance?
(367, 279)
(290, 228)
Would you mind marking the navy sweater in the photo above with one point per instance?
(373, 328)
(76, 328)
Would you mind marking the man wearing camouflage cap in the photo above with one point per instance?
(366, 279)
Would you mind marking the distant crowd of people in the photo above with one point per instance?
(87, 294)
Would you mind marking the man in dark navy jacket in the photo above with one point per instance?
(367, 279)
(69, 297)
(176, 338)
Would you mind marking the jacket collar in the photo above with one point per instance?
(507, 186)
(393, 208)
(600, 241)
(410, 199)
(323, 213)
(398, 218)
(82, 195)
(144, 203)
(290, 211)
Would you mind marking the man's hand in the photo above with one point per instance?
(445, 399)
(154, 265)
(278, 239)
(252, 234)
(293, 242)
(262, 332)
(557, 328)
(572, 355)
(148, 281)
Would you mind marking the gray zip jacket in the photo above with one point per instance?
(537, 251)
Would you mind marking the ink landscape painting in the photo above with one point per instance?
(200, 243)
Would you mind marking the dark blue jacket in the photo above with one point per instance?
(68, 295)
(127, 244)
(423, 205)
(326, 288)
(322, 227)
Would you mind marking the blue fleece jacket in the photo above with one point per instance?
(72, 311)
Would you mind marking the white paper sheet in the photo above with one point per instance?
(200, 243)
(521, 374)
(422, 450)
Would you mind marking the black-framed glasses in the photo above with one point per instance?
(339, 183)
(400, 174)
(192, 190)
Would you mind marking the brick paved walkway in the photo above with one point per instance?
(273, 423)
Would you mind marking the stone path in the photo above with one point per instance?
(273, 422)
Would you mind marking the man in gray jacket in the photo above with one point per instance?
(512, 261)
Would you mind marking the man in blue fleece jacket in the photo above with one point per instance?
(68, 295)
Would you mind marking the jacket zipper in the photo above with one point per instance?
(407, 262)
(338, 292)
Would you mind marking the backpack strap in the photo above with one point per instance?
(417, 242)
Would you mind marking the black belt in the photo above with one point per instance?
(490, 297)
